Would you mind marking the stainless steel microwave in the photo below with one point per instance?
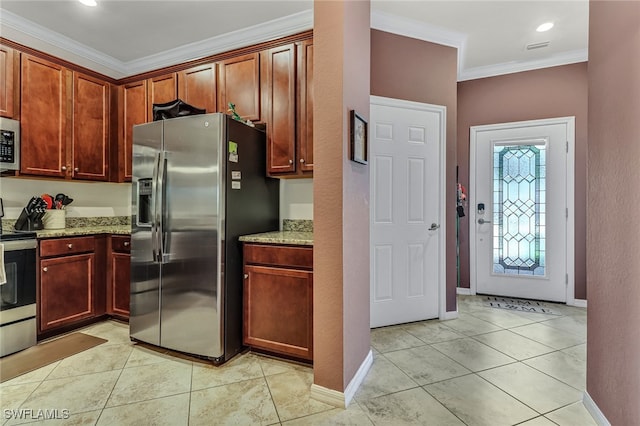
(9, 144)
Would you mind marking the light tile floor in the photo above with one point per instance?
(488, 367)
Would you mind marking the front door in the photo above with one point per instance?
(521, 191)
(407, 210)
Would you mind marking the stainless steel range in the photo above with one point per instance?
(18, 293)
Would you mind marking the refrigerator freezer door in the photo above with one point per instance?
(144, 320)
(191, 282)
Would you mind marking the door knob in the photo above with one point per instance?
(70, 246)
(45, 269)
(434, 226)
(481, 221)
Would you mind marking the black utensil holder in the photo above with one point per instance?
(27, 223)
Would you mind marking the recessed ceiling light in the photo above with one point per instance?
(88, 2)
(542, 28)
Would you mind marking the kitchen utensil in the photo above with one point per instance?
(58, 200)
(47, 199)
(66, 201)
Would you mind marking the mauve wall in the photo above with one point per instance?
(341, 194)
(613, 238)
(545, 93)
(416, 70)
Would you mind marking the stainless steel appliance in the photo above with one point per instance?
(198, 183)
(9, 144)
(18, 294)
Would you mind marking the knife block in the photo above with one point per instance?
(28, 223)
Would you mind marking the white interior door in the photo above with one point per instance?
(521, 191)
(407, 220)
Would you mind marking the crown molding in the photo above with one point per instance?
(421, 31)
(564, 58)
(259, 33)
(28, 28)
(270, 30)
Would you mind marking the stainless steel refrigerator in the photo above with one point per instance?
(199, 182)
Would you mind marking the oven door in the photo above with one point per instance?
(20, 270)
(18, 297)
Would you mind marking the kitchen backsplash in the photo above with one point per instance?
(297, 225)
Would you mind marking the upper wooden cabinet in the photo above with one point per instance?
(239, 83)
(279, 100)
(45, 129)
(9, 82)
(305, 106)
(132, 103)
(161, 90)
(91, 111)
(64, 122)
(197, 87)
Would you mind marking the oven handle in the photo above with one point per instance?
(19, 245)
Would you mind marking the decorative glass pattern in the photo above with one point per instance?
(519, 190)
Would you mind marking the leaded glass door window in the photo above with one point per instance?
(519, 206)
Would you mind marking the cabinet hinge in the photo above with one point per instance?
(566, 279)
(566, 213)
(567, 146)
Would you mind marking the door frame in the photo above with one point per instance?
(570, 193)
(441, 110)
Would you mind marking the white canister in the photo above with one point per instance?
(54, 219)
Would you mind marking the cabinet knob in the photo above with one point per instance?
(45, 269)
(70, 245)
(246, 276)
(126, 243)
(302, 160)
(64, 168)
(290, 161)
(77, 169)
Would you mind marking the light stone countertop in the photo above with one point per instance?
(85, 230)
(280, 237)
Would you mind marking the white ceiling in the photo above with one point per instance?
(121, 38)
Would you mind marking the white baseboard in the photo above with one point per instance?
(449, 315)
(579, 303)
(593, 409)
(342, 399)
(462, 290)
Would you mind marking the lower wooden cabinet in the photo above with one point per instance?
(119, 276)
(278, 299)
(67, 281)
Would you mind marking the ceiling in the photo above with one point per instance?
(122, 38)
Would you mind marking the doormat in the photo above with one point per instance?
(522, 305)
(45, 353)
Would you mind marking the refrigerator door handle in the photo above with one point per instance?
(154, 209)
(161, 207)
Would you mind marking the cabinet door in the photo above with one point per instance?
(278, 310)
(134, 110)
(120, 284)
(90, 128)
(197, 87)
(9, 58)
(305, 106)
(66, 290)
(161, 90)
(46, 92)
(281, 108)
(239, 83)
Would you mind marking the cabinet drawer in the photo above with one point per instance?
(64, 246)
(121, 243)
(277, 255)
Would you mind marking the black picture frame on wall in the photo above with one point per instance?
(359, 138)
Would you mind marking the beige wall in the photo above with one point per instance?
(545, 93)
(415, 70)
(613, 222)
(341, 193)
